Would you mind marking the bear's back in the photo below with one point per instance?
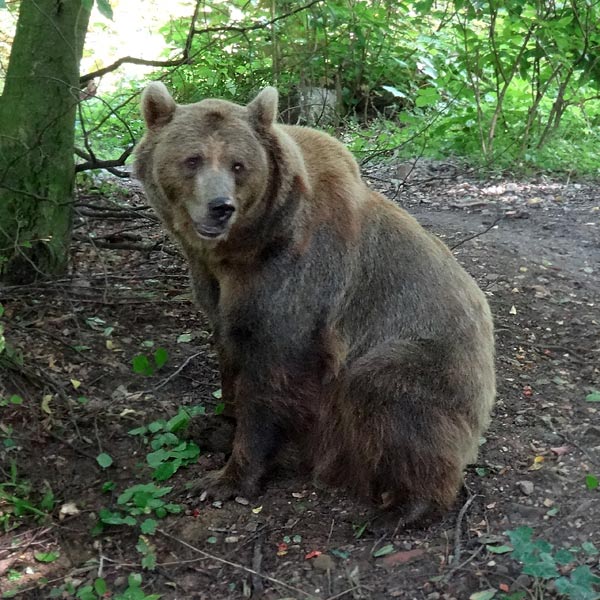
(324, 156)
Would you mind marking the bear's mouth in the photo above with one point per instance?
(218, 219)
(209, 231)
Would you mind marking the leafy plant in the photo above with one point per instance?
(98, 589)
(169, 452)
(17, 501)
(544, 563)
(144, 365)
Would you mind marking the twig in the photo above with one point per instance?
(348, 591)
(262, 25)
(257, 583)
(475, 235)
(174, 374)
(236, 565)
(458, 528)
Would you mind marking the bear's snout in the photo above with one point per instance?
(219, 213)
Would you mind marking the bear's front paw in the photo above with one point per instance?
(221, 485)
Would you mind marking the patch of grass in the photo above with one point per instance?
(18, 501)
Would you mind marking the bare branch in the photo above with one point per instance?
(93, 163)
(184, 58)
(262, 25)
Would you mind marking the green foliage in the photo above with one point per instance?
(509, 83)
(168, 453)
(98, 589)
(144, 365)
(18, 501)
(545, 563)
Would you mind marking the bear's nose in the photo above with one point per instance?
(220, 208)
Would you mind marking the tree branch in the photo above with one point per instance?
(185, 56)
(93, 163)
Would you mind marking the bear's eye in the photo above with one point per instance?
(238, 167)
(193, 162)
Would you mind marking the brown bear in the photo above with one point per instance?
(343, 329)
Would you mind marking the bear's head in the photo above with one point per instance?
(206, 165)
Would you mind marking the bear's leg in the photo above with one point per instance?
(398, 430)
(258, 437)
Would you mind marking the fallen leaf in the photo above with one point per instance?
(282, 549)
(312, 554)
(46, 404)
(69, 509)
(401, 558)
(503, 587)
(513, 310)
(75, 383)
(384, 551)
(527, 391)
(560, 450)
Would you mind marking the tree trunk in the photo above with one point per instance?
(37, 127)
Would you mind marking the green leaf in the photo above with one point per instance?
(87, 4)
(108, 486)
(589, 548)
(161, 356)
(384, 550)
(141, 365)
(427, 97)
(499, 549)
(544, 567)
(394, 91)
(564, 557)
(86, 593)
(149, 561)
(105, 9)
(593, 397)
(220, 408)
(180, 421)
(217, 394)
(14, 399)
(184, 338)
(155, 459)
(166, 470)
(134, 580)
(100, 587)
(212, 539)
(148, 526)
(138, 431)
(46, 557)
(104, 460)
(591, 482)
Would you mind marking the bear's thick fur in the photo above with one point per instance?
(343, 328)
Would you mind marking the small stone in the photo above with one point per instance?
(522, 582)
(434, 596)
(591, 436)
(232, 539)
(241, 500)
(526, 487)
(217, 504)
(323, 562)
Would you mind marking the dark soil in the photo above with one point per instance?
(534, 247)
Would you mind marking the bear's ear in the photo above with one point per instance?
(158, 107)
(263, 109)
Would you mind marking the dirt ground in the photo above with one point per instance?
(534, 248)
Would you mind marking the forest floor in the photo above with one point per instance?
(534, 248)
